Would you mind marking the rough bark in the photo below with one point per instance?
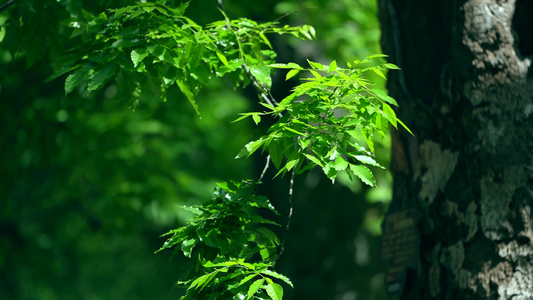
(466, 91)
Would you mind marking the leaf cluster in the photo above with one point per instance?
(329, 120)
(232, 246)
(148, 47)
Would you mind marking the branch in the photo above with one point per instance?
(221, 5)
(293, 12)
(282, 245)
(6, 5)
(265, 169)
(262, 91)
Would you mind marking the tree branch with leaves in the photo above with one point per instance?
(328, 121)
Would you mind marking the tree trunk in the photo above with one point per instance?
(465, 180)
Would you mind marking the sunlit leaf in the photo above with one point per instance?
(138, 55)
(367, 160)
(250, 148)
(313, 159)
(364, 174)
(340, 164)
(101, 76)
(316, 65)
(222, 58)
(257, 118)
(308, 31)
(315, 73)
(377, 56)
(405, 126)
(383, 96)
(291, 74)
(333, 66)
(390, 115)
(187, 246)
(379, 73)
(262, 74)
(391, 66)
(274, 291)
(286, 66)
(187, 92)
(254, 287)
(278, 276)
(291, 164)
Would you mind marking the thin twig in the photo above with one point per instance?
(221, 5)
(265, 169)
(6, 5)
(264, 92)
(289, 218)
(293, 12)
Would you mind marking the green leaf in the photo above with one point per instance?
(315, 73)
(243, 281)
(101, 76)
(269, 234)
(222, 58)
(390, 115)
(275, 291)
(254, 287)
(187, 246)
(391, 66)
(367, 160)
(330, 171)
(201, 281)
(316, 65)
(262, 74)
(122, 43)
(383, 96)
(242, 117)
(278, 276)
(291, 74)
(250, 148)
(138, 55)
(77, 78)
(157, 50)
(266, 253)
(193, 209)
(308, 31)
(265, 40)
(304, 143)
(314, 159)
(379, 73)
(185, 90)
(290, 164)
(267, 106)
(257, 118)
(294, 131)
(405, 126)
(364, 174)
(340, 164)
(333, 66)
(209, 264)
(286, 66)
(377, 56)
(276, 153)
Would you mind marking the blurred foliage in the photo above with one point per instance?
(89, 184)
